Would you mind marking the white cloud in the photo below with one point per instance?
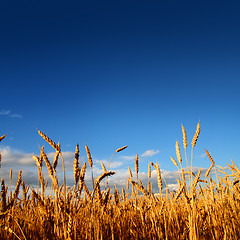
(150, 153)
(16, 116)
(113, 164)
(203, 155)
(12, 157)
(5, 112)
(17, 160)
(128, 157)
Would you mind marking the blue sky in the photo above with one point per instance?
(110, 74)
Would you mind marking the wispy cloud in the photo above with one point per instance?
(128, 157)
(150, 153)
(16, 116)
(114, 164)
(5, 112)
(203, 155)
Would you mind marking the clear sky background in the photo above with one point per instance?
(115, 73)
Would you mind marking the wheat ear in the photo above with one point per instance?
(47, 139)
(213, 163)
(138, 186)
(103, 167)
(76, 168)
(3, 198)
(50, 169)
(121, 149)
(2, 137)
(159, 178)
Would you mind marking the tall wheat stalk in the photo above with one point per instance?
(194, 140)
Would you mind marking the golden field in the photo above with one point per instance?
(204, 206)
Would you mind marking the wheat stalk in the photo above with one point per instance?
(90, 161)
(116, 196)
(10, 180)
(159, 177)
(178, 153)
(56, 156)
(16, 192)
(194, 140)
(138, 186)
(196, 180)
(50, 169)
(179, 192)
(1, 138)
(208, 171)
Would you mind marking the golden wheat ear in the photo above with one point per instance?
(137, 164)
(121, 149)
(196, 135)
(50, 141)
(184, 137)
(76, 168)
(2, 137)
(178, 153)
(90, 161)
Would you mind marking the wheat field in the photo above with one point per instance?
(205, 206)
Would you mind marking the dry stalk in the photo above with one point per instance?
(3, 197)
(90, 161)
(1, 138)
(138, 186)
(194, 140)
(50, 169)
(56, 156)
(178, 153)
(179, 192)
(159, 177)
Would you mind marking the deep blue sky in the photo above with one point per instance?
(110, 73)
